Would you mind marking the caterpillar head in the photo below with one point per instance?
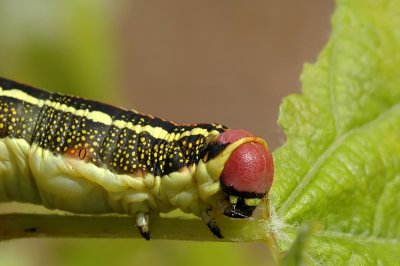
(247, 174)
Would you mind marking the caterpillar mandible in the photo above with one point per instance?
(83, 156)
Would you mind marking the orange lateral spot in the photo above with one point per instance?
(81, 152)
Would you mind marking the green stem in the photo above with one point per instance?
(42, 225)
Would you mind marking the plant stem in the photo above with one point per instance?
(43, 225)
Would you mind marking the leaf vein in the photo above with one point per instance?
(325, 155)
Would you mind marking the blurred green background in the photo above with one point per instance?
(224, 61)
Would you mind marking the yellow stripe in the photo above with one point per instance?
(95, 116)
(100, 117)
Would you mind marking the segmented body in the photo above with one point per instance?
(84, 156)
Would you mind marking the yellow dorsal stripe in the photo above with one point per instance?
(101, 117)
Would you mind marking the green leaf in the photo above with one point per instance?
(340, 165)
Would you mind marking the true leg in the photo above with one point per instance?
(210, 221)
(142, 223)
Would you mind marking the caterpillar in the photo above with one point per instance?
(83, 156)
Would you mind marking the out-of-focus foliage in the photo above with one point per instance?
(59, 45)
(105, 252)
(70, 47)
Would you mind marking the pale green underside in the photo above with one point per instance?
(29, 173)
(340, 166)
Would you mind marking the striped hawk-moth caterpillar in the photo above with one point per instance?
(83, 156)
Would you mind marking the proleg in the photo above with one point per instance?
(83, 156)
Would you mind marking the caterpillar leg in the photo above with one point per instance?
(211, 223)
(142, 223)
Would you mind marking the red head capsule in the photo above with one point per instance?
(249, 168)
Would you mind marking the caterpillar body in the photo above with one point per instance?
(83, 156)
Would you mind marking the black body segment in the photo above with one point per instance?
(120, 140)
